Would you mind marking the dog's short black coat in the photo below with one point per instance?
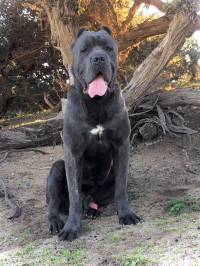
(96, 141)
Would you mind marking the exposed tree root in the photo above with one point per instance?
(17, 210)
(19, 150)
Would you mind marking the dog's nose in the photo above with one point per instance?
(98, 58)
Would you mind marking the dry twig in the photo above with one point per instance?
(17, 210)
(15, 150)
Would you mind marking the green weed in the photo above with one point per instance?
(3, 241)
(114, 238)
(150, 244)
(160, 222)
(134, 196)
(185, 215)
(30, 246)
(137, 260)
(137, 250)
(169, 229)
(157, 250)
(2, 260)
(87, 228)
(100, 226)
(47, 256)
(25, 234)
(139, 224)
(129, 230)
(181, 250)
(180, 205)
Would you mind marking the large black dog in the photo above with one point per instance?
(96, 139)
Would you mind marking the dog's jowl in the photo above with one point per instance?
(94, 169)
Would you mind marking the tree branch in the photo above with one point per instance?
(144, 31)
(63, 19)
(46, 99)
(149, 29)
(114, 15)
(131, 14)
(156, 3)
(195, 25)
(89, 18)
(153, 65)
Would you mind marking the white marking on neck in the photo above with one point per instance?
(97, 130)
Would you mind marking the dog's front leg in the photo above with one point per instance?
(72, 227)
(121, 163)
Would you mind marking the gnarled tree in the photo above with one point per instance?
(178, 20)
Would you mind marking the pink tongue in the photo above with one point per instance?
(97, 87)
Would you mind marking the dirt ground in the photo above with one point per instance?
(157, 173)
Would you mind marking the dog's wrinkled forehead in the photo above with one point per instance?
(89, 39)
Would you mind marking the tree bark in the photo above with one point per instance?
(144, 31)
(40, 134)
(63, 19)
(147, 73)
(46, 99)
(48, 133)
(181, 96)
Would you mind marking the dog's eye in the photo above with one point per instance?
(109, 49)
(84, 50)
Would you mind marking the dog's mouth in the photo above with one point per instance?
(96, 87)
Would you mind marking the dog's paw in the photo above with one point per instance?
(126, 214)
(129, 218)
(55, 225)
(91, 213)
(71, 230)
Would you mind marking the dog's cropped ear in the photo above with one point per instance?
(81, 31)
(106, 29)
(78, 35)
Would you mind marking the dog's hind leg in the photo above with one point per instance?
(57, 196)
(106, 192)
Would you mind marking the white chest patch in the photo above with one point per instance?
(97, 130)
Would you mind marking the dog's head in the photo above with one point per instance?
(95, 61)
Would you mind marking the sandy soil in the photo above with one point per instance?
(157, 173)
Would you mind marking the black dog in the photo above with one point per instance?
(96, 139)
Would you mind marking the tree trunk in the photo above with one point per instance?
(48, 133)
(39, 134)
(5, 102)
(63, 19)
(145, 76)
(182, 96)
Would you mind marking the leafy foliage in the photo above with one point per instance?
(187, 5)
(138, 260)
(29, 65)
(179, 205)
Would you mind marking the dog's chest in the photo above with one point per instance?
(103, 136)
(97, 133)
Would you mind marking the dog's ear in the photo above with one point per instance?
(81, 31)
(106, 29)
(78, 35)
